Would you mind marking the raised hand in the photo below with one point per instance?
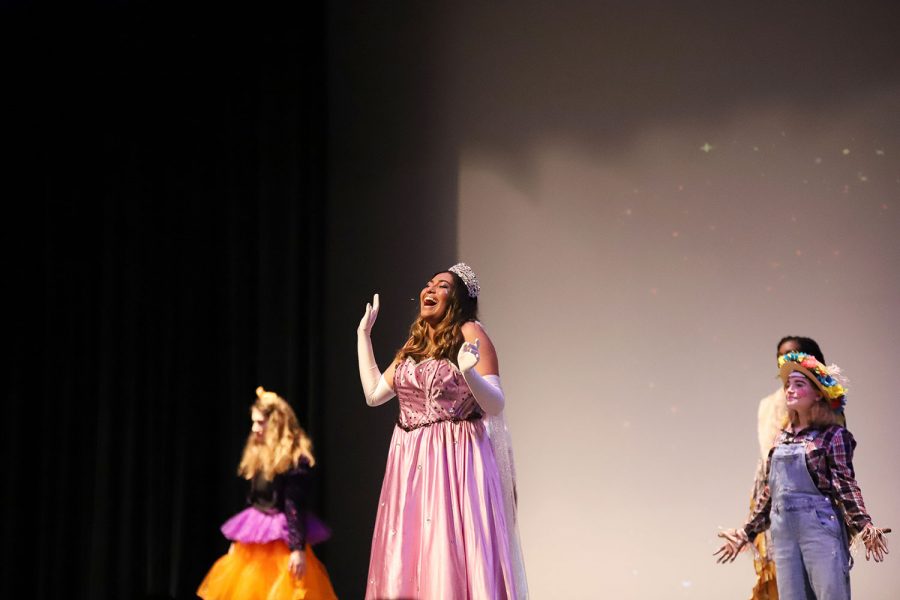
(486, 388)
(368, 318)
(375, 388)
(468, 355)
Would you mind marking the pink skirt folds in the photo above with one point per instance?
(440, 530)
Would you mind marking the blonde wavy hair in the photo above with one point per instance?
(285, 441)
(448, 337)
(820, 415)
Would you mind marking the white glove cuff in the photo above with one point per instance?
(487, 391)
(382, 393)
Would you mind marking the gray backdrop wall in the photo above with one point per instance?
(653, 194)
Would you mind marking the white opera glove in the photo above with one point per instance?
(375, 388)
(485, 388)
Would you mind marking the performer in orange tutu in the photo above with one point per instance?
(271, 557)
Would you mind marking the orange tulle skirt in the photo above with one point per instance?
(260, 572)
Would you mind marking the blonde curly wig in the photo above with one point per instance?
(285, 442)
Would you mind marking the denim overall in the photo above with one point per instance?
(809, 542)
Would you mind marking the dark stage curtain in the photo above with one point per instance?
(166, 167)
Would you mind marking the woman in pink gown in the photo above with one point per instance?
(442, 530)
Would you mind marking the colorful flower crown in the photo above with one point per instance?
(828, 379)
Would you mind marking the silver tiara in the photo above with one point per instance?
(469, 278)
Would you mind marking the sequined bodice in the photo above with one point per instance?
(431, 391)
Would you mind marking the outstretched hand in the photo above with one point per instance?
(368, 318)
(875, 542)
(735, 539)
(468, 355)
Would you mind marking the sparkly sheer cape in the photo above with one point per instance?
(501, 442)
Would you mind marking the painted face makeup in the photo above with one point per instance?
(800, 393)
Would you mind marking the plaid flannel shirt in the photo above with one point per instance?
(831, 469)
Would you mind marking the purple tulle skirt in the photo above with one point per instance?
(253, 526)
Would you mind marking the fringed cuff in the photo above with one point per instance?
(869, 538)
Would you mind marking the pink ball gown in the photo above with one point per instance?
(441, 529)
